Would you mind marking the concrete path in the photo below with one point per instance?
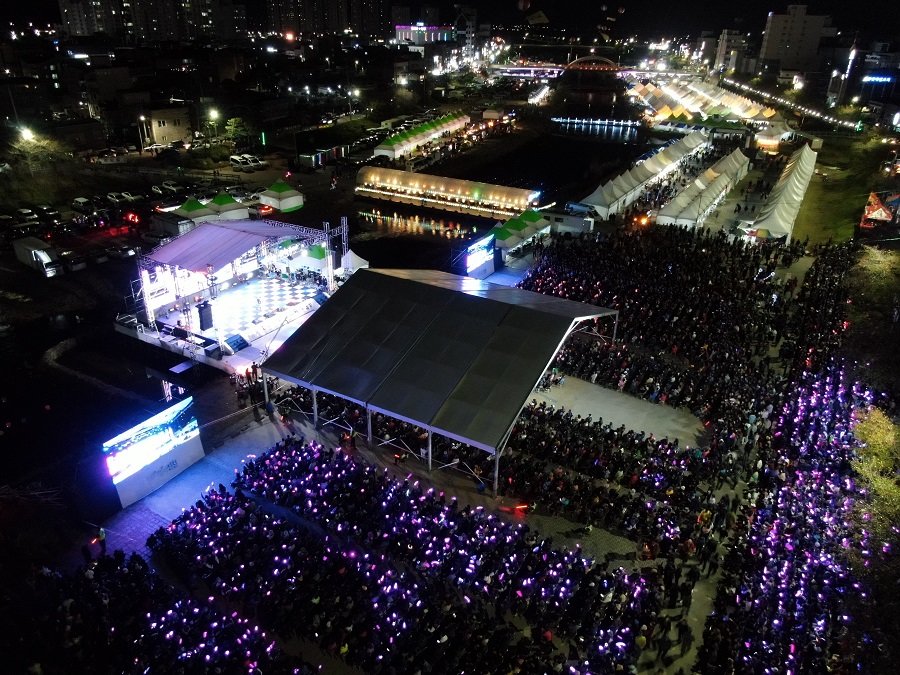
(584, 398)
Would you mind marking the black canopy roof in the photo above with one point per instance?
(451, 354)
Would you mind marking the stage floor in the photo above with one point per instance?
(263, 311)
(242, 309)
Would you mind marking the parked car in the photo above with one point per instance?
(172, 186)
(131, 197)
(259, 210)
(155, 146)
(239, 163)
(83, 205)
(116, 197)
(25, 215)
(72, 261)
(154, 238)
(255, 161)
(121, 251)
(98, 255)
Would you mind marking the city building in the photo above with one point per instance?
(729, 49)
(791, 41)
(168, 125)
(420, 34)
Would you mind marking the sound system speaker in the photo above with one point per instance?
(205, 311)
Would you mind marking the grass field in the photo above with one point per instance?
(874, 286)
(832, 207)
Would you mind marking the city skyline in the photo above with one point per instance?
(692, 16)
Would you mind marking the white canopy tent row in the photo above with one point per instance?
(701, 100)
(401, 144)
(692, 204)
(776, 217)
(623, 190)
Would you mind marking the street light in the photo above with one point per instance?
(27, 134)
(214, 118)
(141, 130)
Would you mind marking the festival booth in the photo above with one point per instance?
(282, 197)
(228, 208)
(693, 204)
(447, 194)
(618, 193)
(401, 144)
(777, 215)
(195, 211)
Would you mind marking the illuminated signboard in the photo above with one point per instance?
(878, 79)
(148, 455)
(479, 253)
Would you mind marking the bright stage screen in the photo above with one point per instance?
(479, 253)
(145, 457)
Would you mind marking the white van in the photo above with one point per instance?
(240, 164)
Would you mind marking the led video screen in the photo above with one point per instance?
(145, 457)
(480, 253)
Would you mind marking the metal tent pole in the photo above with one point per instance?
(265, 390)
(616, 327)
(315, 410)
(429, 450)
(496, 471)
(369, 425)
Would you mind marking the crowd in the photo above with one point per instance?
(661, 191)
(787, 591)
(393, 578)
(114, 615)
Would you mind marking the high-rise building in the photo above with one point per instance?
(731, 44)
(791, 41)
(369, 17)
(282, 16)
(88, 17)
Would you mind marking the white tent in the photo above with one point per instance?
(351, 261)
(196, 211)
(282, 197)
(690, 205)
(780, 210)
(627, 187)
(228, 208)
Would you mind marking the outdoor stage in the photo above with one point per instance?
(251, 319)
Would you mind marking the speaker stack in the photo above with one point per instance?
(205, 311)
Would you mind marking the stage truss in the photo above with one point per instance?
(137, 304)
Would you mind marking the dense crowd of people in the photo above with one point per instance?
(661, 191)
(115, 615)
(390, 576)
(784, 597)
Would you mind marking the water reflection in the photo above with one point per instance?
(394, 222)
(606, 132)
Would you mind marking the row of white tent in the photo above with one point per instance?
(405, 142)
(627, 187)
(776, 217)
(690, 205)
(695, 99)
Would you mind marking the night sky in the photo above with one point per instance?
(645, 18)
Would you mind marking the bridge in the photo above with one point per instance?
(548, 71)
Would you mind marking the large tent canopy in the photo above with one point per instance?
(624, 189)
(454, 355)
(780, 210)
(691, 204)
(217, 243)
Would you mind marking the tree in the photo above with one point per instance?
(238, 130)
(876, 559)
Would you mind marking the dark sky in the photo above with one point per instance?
(879, 17)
